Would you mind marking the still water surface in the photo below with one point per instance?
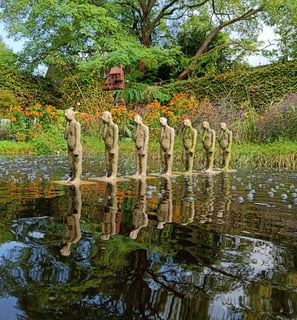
(204, 247)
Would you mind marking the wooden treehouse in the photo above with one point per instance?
(115, 79)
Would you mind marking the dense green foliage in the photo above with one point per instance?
(153, 40)
(254, 87)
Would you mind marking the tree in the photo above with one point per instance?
(93, 35)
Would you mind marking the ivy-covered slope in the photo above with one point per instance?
(257, 87)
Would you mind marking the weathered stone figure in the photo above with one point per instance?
(208, 141)
(141, 138)
(72, 135)
(189, 139)
(111, 140)
(166, 140)
(72, 226)
(225, 141)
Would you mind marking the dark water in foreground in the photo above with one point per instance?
(219, 247)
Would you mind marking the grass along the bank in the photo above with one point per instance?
(13, 148)
(280, 154)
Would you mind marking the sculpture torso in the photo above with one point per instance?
(208, 139)
(188, 138)
(140, 136)
(109, 135)
(70, 134)
(224, 139)
(166, 138)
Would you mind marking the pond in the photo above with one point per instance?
(203, 247)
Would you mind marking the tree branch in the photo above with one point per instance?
(214, 32)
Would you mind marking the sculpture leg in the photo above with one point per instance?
(143, 164)
(77, 165)
(114, 165)
(70, 165)
(138, 163)
(227, 157)
(107, 163)
(163, 162)
(190, 163)
(210, 160)
(169, 164)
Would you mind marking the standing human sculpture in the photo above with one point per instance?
(166, 140)
(189, 139)
(208, 142)
(111, 141)
(72, 135)
(225, 141)
(141, 138)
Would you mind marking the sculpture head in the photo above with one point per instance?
(187, 122)
(138, 119)
(106, 117)
(163, 121)
(223, 126)
(205, 125)
(69, 114)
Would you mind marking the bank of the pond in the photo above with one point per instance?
(280, 154)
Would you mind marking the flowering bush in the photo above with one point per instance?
(29, 122)
(179, 108)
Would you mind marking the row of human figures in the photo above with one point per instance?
(141, 138)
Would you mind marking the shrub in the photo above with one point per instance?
(30, 122)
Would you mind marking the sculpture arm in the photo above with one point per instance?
(146, 140)
(66, 130)
(172, 134)
(194, 139)
(213, 140)
(115, 138)
(77, 139)
(230, 137)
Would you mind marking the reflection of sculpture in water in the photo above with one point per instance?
(166, 140)
(164, 210)
(187, 201)
(189, 139)
(141, 138)
(140, 218)
(207, 204)
(111, 140)
(72, 135)
(225, 140)
(72, 225)
(208, 141)
(225, 197)
(108, 223)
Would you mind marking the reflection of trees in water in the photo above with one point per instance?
(194, 273)
(126, 280)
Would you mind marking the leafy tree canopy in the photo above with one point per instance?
(93, 35)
